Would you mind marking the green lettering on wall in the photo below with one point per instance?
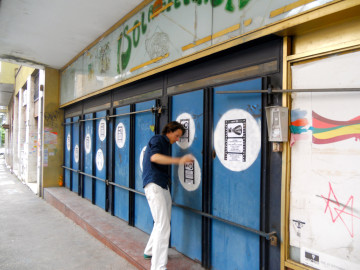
(186, 2)
(243, 3)
(164, 4)
(125, 57)
(143, 24)
(169, 8)
(150, 12)
(118, 54)
(230, 6)
(136, 34)
(216, 3)
(177, 3)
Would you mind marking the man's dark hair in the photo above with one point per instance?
(171, 127)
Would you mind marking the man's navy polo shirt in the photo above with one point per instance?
(153, 172)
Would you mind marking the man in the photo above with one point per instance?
(155, 181)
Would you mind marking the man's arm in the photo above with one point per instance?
(167, 160)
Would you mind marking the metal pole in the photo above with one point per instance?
(270, 91)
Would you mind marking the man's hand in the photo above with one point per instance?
(186, 158)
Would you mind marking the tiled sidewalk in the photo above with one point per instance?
(127, 241)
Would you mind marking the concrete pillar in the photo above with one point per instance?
(9, 134)
(23, 132)
(32, 131)
(40, 129)
(15, 138)
(53, 132)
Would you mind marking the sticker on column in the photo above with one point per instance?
(120, 135)
(99, 159)
(102, 129)
(190, 175)
(237, 140)
(188, 137)
(76, 153)
(87, 143)
(142, 157)
(68, 140)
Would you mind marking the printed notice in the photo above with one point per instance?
(186, 124)
(235, 140)
(99, 159)
(102, 129)
(76, 153)
(120, 135)
(189, 173)
(87, 143)
(320, 260)
(68, 139)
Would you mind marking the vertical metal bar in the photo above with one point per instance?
(93, 180)
(169, 117)
(163, 119)
(264, 175)
(166, 105)
(81, 157)
(132, 167)
(71, 152)
(108, 160)
(64, 157)
(112, 159)
(207, 177)
(157, 118)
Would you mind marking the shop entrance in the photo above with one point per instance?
(234, 179)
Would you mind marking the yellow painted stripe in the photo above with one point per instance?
(197, 43)
(247, 22)
(289, 7)
(161, 10)
(133, 28)
(225, 31)
(354, 129)
(149, 62)
(208, 38)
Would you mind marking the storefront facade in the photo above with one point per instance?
(242, 204)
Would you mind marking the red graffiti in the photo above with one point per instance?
(345, 214)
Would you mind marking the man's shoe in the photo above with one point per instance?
(147, 257)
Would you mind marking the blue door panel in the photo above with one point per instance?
(75, 154)
(236, 194)
(144, 130)
(100, 159)
(121, 175)
(185, 225)
(89, 144)
(67, 152)
(186, 232)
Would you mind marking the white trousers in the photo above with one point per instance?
(159, 200)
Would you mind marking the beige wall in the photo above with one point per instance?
(7, 74)
(22, 77)
(53, 131)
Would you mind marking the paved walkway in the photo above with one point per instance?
(34, 235)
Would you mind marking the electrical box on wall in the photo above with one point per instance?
(277, 122)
